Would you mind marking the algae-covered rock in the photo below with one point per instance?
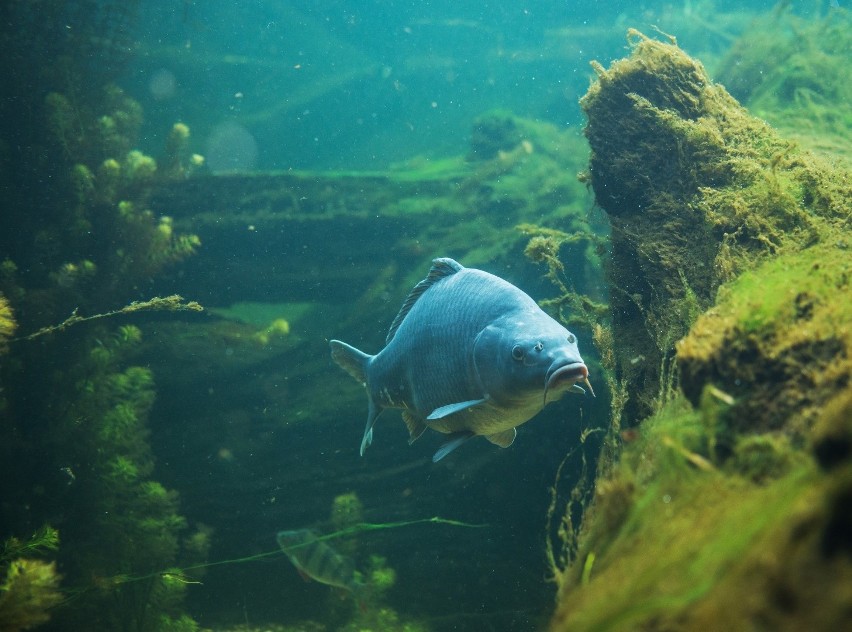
(778, 341)
(832, 435)
(697, 190)
(698, 547)
(716, 516)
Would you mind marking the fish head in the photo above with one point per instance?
(519, 358)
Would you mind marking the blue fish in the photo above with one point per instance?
(468, 354)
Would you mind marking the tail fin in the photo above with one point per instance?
(353, 361)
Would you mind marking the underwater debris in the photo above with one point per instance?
(493, 133)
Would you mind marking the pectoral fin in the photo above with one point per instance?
(415, 426)
(449, 409)
(503, 439)
(372, 414)
(454, 441)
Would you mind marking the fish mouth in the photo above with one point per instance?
(567, 376)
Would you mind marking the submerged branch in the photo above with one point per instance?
(173, 303)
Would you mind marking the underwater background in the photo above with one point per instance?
(197, 196)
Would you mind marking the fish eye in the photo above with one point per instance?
(518, 353)
(571, 339)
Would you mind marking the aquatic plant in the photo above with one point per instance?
(175, 159)
(380, 577)
(43, 540)
(7, 322)
(173, 303)
(27, 594)
(30, 588)
(132, 525)
(111, 182)
(347, 510)
(805, 92)
(278, 328)
(149, 245)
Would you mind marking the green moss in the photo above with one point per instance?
(765, 457)
(778, 340)
(790, 291)
(681, 538)
(675, 538)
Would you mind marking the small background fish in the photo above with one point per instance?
(314, 559)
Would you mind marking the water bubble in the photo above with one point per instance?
(230, 147)
(162, 84)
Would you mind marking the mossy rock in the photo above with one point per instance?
(677, 542)
(697, 191)
(779, 341)
(717, 515)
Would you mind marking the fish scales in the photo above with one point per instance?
(427, 355)
(469, 354)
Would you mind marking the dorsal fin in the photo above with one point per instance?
(441, 268)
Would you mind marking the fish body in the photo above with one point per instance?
(314, 559)
(469, 354)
